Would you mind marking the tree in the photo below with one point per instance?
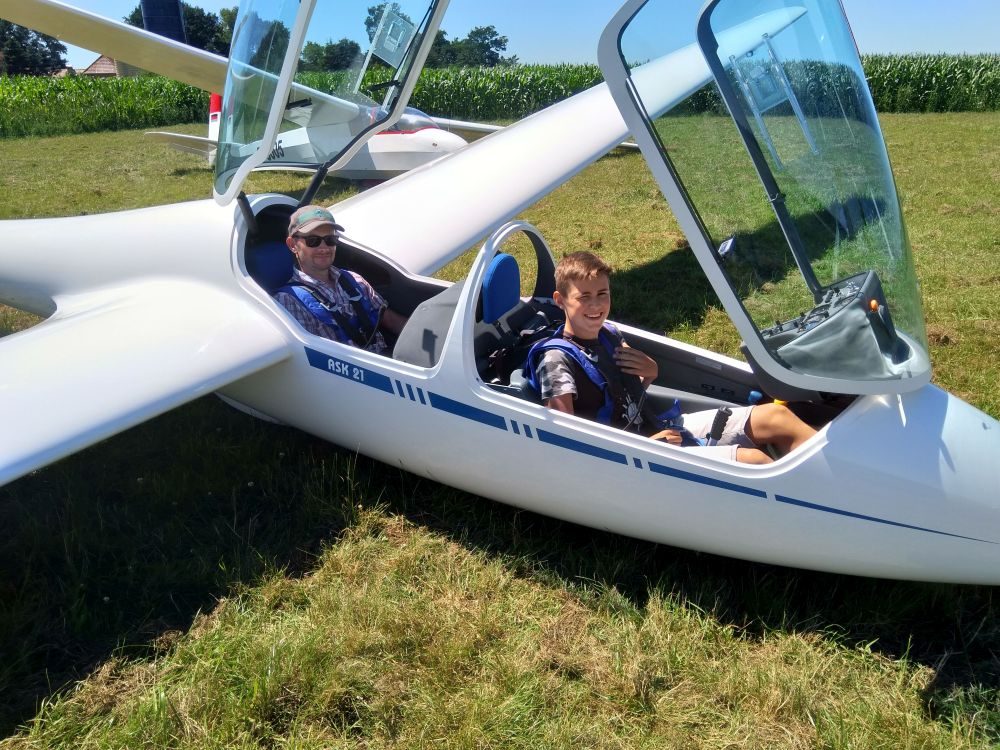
(482, 46)
(442, 53)
(312, 56)
(228, 16)
(375, 17)
(341, 55)
(272, 43)
(330, 56)
(203, 29)
(26, 52)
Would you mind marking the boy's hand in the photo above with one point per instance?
(669, 436)
(635, 362)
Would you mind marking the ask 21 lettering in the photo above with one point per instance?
(345, 370)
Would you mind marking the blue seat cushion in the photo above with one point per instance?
(270, 265)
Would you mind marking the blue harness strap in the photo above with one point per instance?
(608, 336)
(535, 354)
(360, 301)
(357, 329)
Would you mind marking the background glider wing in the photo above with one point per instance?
(466, 129)
(191, 144)
(119, 359)
(119, 40)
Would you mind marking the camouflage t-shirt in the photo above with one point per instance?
(558, 374)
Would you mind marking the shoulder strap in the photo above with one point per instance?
(365, 314)
(591, 370)
(611, 337)
(312, 299)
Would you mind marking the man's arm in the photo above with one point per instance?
(392, 321)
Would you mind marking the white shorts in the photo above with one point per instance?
(734, 434)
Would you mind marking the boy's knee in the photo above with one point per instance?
(774, 419)
(752, 456)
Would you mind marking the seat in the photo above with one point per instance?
(270, 265)
(501, 287)
(501, 315)
(521, 388)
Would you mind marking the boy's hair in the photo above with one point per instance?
(577, 266)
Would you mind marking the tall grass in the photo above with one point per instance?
(48, 106)
(502, 93)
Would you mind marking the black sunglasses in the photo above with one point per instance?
(313, 240)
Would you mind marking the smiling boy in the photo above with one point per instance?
(610, 388)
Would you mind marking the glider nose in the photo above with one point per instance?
(447, 142)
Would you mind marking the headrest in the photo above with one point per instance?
(501, 287)
(270, 265)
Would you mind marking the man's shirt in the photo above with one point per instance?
(337, 298)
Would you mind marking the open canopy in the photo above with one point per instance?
(297, 92)
(792, 213)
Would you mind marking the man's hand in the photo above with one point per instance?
(635, 362)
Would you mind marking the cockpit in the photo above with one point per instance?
(500, 308)
(294, 98)
(779, 176)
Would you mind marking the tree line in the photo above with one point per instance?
(481, 47)
(26, 52)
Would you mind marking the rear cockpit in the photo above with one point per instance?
(269, 263)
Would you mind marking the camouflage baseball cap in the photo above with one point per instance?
(310, 217)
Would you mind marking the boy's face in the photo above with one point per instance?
(586, 303)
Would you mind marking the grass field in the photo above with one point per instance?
(207, 580)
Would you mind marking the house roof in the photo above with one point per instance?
(102, 66)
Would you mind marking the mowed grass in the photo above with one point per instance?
(207, 580)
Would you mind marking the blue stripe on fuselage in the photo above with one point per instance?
(443, 403)
(373, 379)
(348, 370)
(875, 519)
(691, 477)
(544, 436)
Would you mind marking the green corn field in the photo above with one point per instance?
(934, 83)
(38, 106)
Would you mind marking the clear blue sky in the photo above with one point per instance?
(550, 31)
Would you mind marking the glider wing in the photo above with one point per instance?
(119, 359)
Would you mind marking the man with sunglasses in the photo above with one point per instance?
(327, 301)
